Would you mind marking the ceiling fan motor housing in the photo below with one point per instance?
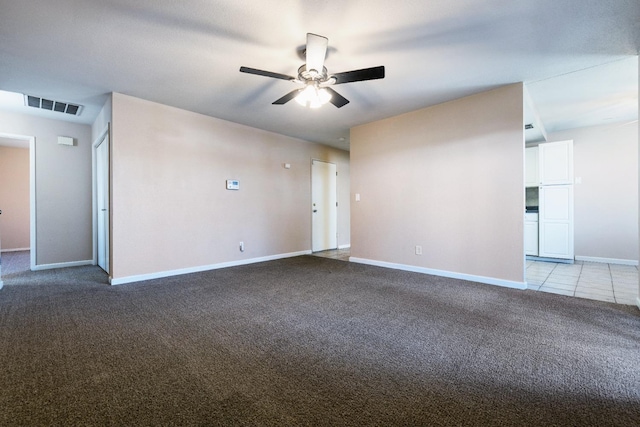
(307, 76)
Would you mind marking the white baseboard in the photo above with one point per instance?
(543, 259)
(62, 265)
(638, 302)
(16, 250)
(607, 260)
(442, 273)
(347, 246)
(198, 269)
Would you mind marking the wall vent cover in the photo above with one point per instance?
(51, 105)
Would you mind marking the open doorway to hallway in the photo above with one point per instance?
(17, 198)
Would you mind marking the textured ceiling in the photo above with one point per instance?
(577, 57)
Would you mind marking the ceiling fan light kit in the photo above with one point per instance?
(313, 96)
(315, 79)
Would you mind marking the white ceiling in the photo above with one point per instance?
(577, 57)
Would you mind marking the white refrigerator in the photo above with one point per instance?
(555, 221)
(555, 198)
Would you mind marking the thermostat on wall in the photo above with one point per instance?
(65, 140)
(233, 184)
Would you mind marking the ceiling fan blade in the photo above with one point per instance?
(337, 99)
(316, 52)
(266, 73)
(288, 97)
(360, 75)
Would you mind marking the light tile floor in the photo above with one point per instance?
(598, 281)
(341, 254)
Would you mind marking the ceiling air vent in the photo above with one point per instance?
(48, 104)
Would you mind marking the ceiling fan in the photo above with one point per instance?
(316, 81)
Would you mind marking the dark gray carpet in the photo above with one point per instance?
(310, 341)
(15, 263)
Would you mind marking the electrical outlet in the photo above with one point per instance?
(241, 246)
(418, 250)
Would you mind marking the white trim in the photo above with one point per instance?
(347, 246)
(62, 265)
(15, 250)
(638, 302)
(545, 259)
(443, 273)
(198, 269)
(607, 260)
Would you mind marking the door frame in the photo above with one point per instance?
(336, 193)
(32, 193)
(105, 135)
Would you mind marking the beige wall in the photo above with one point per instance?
(14, 198)
(170, 208)
(606, 202)
(448, 178)
(63, 187)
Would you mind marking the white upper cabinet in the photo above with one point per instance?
(555, 163)
(531, 167)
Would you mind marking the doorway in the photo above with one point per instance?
(19, 198)
(101, 200)
(324, 206)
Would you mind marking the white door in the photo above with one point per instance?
(102, 202)
(556, 221)
(555, 163)
(324, 206)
